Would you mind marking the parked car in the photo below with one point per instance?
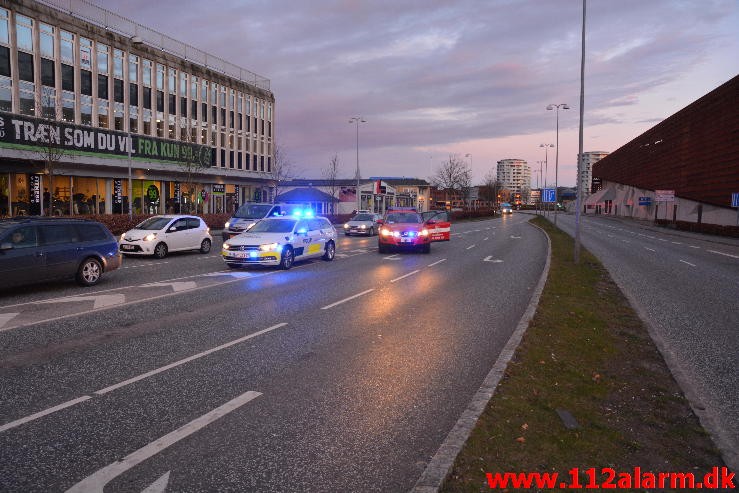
(439, 225)
(160, 235)
(362, 224)
(41, 249)
(281, 241)
(247, 215)
(403, 229)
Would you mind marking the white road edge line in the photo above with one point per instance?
(187, 360)
(685, 262)
(347, 299)
(437, 262)
(97, 481)
(403, 277)
(41, 414)
(726, 254)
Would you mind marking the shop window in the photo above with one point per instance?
(67, 77)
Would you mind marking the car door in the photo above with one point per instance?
(318, 237)
(21, 262)
(177, 235)
(303, 239)
(442, 228)
(195, 231)
(62, 249)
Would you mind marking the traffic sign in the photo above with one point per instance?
(735, 199)
(549, 195)
(664, 195)
(645, 200)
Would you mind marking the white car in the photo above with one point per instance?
(281, 241)
(160, 235)
(364, 223)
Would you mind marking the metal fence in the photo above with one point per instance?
(114, 22)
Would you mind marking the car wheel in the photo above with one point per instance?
(372, 231)
(287, 258)
(426, 248)
(89, 272)
(205, 246)
(381, 248)
(330, 252)
(160, 251)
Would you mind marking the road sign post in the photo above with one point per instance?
(735, 203)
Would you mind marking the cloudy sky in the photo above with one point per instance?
(434, 78)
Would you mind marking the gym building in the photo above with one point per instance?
(97, 119)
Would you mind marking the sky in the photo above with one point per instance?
(470, 79)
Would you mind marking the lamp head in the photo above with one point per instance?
(565, 107)
(550, 107)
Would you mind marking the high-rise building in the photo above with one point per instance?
(514, 175)
(101, 101)
(586, 171)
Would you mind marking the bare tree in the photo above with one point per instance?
(330, 174)
(51, 149)
(490, 186)
(194, 160)
(454, 177)
(282, 170)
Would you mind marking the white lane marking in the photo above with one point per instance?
(347, 299)
(610, 236)
(144, 265)
(158, 486)
(485, 239)
(97, 481)
(626, 241)
(176, 286)
(685, 262)
(651, 237)
(187, 360)
(676, 243)
(726, 254)
(470, 247)
(7, 317)
(490, 258)
(232, 273)
(406, 275)
(101, 301)
(395, 256)
(516, 237)
(661, 239)
(650, 249)
(437, 262)
(43, 413)
(694, 246)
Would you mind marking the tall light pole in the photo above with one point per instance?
(546, 168)
(357, 120)
(538, 181)
(465, 193)
(556, 161)
(578, 201)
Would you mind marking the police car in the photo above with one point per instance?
(281, 241)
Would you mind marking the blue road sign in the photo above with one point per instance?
(549, 195)
(645, 200)
(735, 200)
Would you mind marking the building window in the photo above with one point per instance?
(47, 73)
(103, 114)
(66, 47)
(160, 77)
(183, 107)
(147, 122)
(118, 116)
(67, 77)
(204, 91)
(118, 64)
(147, 98)
(24, 32)
(85, 54)
(4, 27)
(27, 93)
(146, 67)
(102, 86)
(204, 112)
(172, 109)
(118, 90)
(25, 66)
(160, 125)
(6, 94)
(171, 126)
(133, 68)
(4, 61)
(68, 106)
(183, 84)
(160, 101)
(103, 53)
(172, 78)
(133, 94)
(46, 38)
(133, 119)
(86, 110)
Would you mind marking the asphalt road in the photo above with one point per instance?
(181, 375)
(686, 287)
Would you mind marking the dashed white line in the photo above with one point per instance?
(686, 262)
(676, 243)
(485, 239)
(694, 246)
(650, 249)
(437, 262)
(470, 247)
(144, 265)
(403, 277)
(346, 299)
(43, 413)
(726, 254)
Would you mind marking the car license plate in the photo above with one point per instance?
(239, 254)
(126, 247)
(406, 240)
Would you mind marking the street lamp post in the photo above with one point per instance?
(538, 181)
(556, 159)
(546, 169)
(357, 120)
(465, 194)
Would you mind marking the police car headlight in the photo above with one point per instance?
(227, 225)
(362, 226)
(226, 246)
(423, 232)
(150, 237)
(269, 247)
(346, 226)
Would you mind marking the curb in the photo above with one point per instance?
(441, 463)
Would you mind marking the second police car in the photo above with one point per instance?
(281, 241)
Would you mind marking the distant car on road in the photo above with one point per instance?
(281, 241)
(34, 250)
(365, 223)
(403, 229)
(159, 235)
(506, 208)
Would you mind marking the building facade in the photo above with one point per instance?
(586, 171)
(98, 119)
(514, 175)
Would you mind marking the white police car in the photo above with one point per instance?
(281, 241)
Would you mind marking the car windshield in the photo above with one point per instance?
(155, 223)
(273, 226)
(403, 218)
(362, 217)
(505, 204)
(252, 211)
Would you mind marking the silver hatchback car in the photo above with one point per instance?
(364, 223)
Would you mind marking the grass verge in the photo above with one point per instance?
(587, 352)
